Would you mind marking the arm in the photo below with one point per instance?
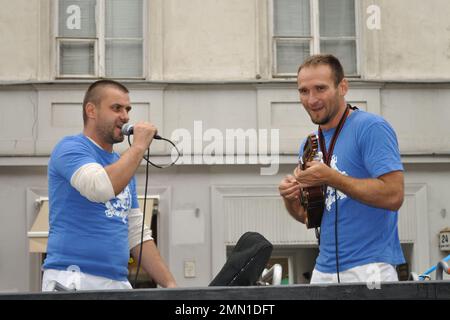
(153, 264)
(290, 191)
(385, 191)
(121, 172)
(100, 184)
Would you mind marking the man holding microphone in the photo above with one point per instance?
(94, 218)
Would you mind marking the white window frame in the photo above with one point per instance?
(314, 39)
(100, 40)
(60, 40)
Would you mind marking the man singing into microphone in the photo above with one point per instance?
(95, 219)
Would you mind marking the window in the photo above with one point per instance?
(305, 27)
(100, 38)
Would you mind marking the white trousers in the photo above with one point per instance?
(75, 280)
(368, 273)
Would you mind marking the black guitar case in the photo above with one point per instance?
(246, 262)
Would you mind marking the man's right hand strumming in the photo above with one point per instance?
(289, 188)
(290, 191)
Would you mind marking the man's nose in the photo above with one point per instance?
(312, 98)
(124, 116)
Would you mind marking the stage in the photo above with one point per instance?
(407, 290)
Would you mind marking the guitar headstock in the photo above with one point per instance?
(310, 149)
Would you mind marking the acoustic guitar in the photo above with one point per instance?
(312, 198)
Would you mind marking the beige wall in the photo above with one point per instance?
(19, 37)
(413, 42)
(206, 40)
(24, 35)
(46, 113)
(209, 39)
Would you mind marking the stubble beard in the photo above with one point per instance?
(107, 133)
(333, 111)
(321, 121)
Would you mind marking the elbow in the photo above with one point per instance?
(99, 196)
(396, 202)
(100, 189)
(393, 190)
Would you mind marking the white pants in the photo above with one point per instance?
(372, 272)
(75, 280)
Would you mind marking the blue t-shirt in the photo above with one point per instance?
(366, 148)
(92, 236)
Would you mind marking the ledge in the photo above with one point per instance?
(427, 290)
(259, 83)
(42, 161)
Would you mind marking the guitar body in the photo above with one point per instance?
(312, 198)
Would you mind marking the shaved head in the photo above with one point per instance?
(94, 93)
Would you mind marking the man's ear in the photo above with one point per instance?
(343, 87)
(91, 110)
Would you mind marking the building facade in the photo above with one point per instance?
(221, 71)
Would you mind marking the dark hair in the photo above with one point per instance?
(328, 60)
(94, 93)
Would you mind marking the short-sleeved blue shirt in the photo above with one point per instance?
(366, 148)
(92, 236)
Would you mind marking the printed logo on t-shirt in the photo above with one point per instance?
(330, 191)
(119, 206)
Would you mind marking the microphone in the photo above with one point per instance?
(127, 129)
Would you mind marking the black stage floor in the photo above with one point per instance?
(407, 290)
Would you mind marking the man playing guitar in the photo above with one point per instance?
(363, 176)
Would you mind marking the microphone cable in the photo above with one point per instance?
(147, 159)
(156, 137)
(336, 235)
(143, 219)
